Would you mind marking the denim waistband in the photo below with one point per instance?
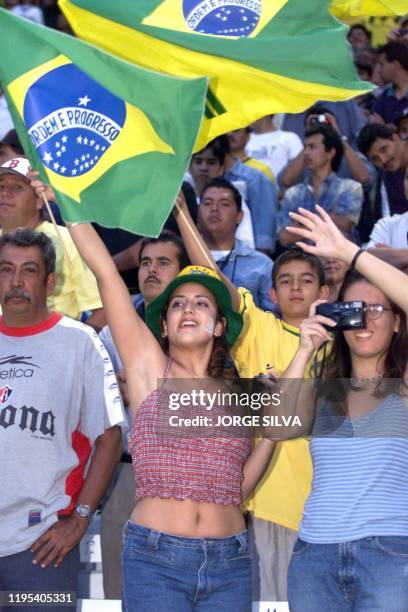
(152, 538)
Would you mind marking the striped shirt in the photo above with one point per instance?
(360, 478)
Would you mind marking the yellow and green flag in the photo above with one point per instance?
(262, 56)
(347, 9)
(113, 139)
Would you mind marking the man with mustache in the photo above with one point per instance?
(161, 259)
(59, 407)
(76, 290)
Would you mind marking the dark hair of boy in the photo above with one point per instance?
(222, 183)
(295, 253)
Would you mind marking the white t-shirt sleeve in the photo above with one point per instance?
(381, 233)
(294, 145)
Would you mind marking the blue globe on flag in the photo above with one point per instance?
(72, 120)
(237, 18)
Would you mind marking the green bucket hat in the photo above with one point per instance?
(210, 279)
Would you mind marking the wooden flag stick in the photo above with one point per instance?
(193, 232)
(51, 214)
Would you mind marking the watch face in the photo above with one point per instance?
(84, 510)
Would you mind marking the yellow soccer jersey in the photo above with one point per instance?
(267, 343)
(76, 289)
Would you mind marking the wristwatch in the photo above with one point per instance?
(85, 511)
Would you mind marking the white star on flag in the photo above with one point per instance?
(79, 139)
(63, 169)
(84, 101)
(56, 166)
(47, 157)
(64, 139)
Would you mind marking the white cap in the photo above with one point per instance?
(17, 165)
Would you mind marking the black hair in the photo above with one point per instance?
(168, 236)
(224, 184)
(24, 237)
(360, 26)
(318, 109)
(295, 253)
(369, 134)
(331, 140)
(396, 50)
(219, 147)
(364, 66)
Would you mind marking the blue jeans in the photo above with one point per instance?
(17, 573)
(163, 572)
(367, 575)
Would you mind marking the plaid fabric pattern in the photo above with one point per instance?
(184, 463)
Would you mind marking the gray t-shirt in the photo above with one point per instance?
(58, 393)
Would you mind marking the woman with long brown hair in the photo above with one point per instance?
(185, 546)
(352, 550)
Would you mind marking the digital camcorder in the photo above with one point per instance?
(347, 315)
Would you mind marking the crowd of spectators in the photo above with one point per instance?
(349, 157)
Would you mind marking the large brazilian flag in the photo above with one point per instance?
(113, 139)
(346, 9)
(262, 56)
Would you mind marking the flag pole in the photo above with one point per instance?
(193, 232)
(51, 214)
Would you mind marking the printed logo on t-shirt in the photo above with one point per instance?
(14, 366)
(5, 393)
(40, 424)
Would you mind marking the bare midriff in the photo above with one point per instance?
(187, 518)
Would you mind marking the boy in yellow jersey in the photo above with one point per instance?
(267, 344)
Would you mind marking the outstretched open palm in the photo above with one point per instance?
(319, 229)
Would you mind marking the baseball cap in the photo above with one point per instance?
(18, 165)
(212, 281)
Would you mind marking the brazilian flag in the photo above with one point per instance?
(347, 9)
(262, 56)
(114, 140)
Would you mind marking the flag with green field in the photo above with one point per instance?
(262, 56)
(114, 140)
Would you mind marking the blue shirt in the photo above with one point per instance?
(251, 269)
(360, 475)
(341, 196)
(262, 200)
(389, 106)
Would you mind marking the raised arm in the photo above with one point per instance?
(138, 348)
(196, 248)
(330, 242)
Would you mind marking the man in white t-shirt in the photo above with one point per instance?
(272, 146)
(389, 238)
(59, 407)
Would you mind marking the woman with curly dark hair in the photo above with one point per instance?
(352, 550)
(185, 546)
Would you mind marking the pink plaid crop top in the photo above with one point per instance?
(203, 469)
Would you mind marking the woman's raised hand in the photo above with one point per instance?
(321, 230)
